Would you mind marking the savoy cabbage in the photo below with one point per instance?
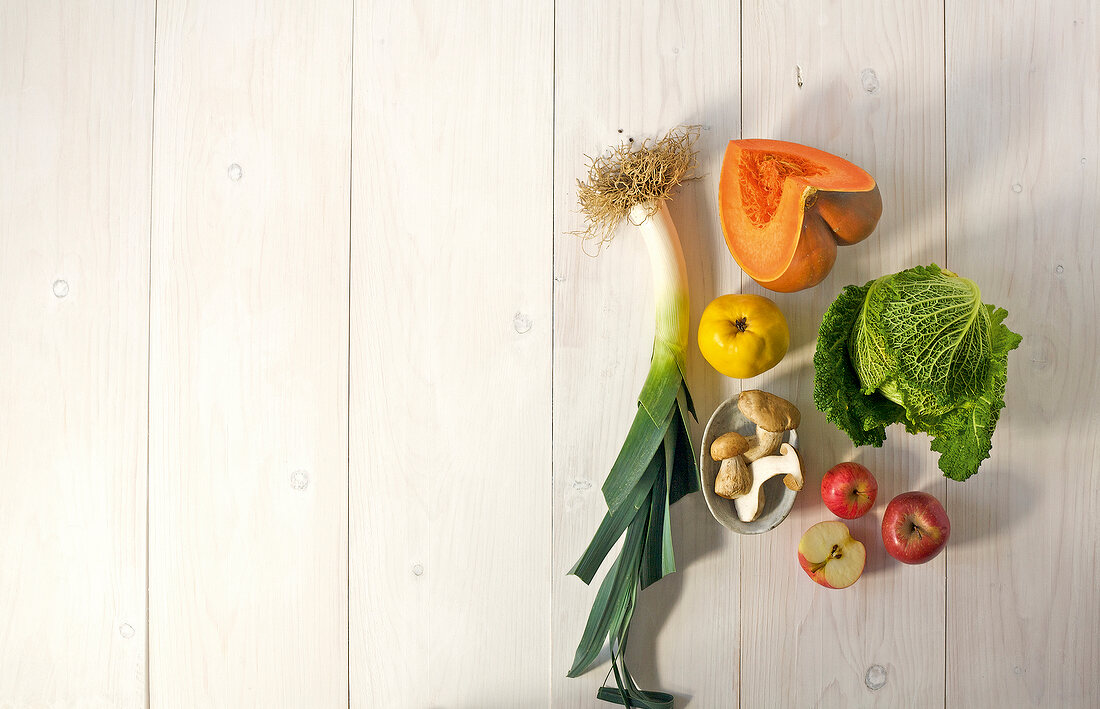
(921, 349)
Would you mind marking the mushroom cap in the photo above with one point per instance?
(728, 445)
(768, 411)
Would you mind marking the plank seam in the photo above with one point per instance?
(945, 150)
(741, 289)
(553, 321)
(149, 365)
(347, 441)
(946, 206)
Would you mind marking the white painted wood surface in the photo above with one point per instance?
(76, 87)
(322, 280)
(451, 287)
(248, 484)
(1023, 141)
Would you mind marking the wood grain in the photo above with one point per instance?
(635, 70)
(318, 304)
(1023, 146)
(451, 367)
(248, 417)
(865, 81)
(392, 451)
(75, 116)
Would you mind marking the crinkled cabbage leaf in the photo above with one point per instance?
(917, 348)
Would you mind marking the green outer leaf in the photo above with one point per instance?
(661, 384)
(684, 397)
(599, 618)
(871, 359)
(620, 628)
(638, 449)
(656, 465)
(938, 334)
(627, 692)
(615, 522)
(875, 361)
(837, 390)
(651, 562)
(964, 437)
(658, 559)
(943, 369)
(612, 602)
(644, 699)
(685, 468)
(668, 555)
(624, 610)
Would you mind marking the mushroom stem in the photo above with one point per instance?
(734, 478)
(773, 415)
(764, 443)
(787, 464)
(750, 506)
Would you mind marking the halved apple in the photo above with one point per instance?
(831, 555)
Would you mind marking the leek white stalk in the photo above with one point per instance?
(670, 284)
(656, 465)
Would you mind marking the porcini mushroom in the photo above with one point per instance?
(773, 415)
(734, 478)
(750, 505)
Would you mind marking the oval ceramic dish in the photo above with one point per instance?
(778, 498)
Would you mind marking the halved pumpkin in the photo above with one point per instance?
(785, 208)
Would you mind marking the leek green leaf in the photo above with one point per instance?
(685, 471)
(612, 598)
(615, 522)
(661, 384)
(638, 449)
(686, 394)
(657, 558)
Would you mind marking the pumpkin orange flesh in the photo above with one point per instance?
(785, 207)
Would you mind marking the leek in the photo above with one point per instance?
(656, 465)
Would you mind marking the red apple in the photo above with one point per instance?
(829, 554)
(849, 490)
(915, 527)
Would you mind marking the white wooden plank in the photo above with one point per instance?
(451, 368)
(863, 80)
(626, 69)
(75, 119)
(391, 445)
(248, 417)
(1023, 147)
